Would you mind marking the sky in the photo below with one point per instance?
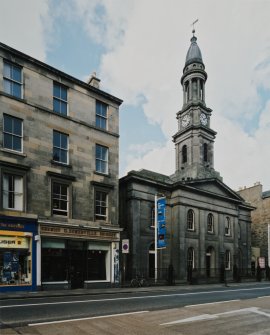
(138, 49)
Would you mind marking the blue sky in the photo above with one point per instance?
(138, 50)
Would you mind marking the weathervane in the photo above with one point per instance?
(192, 24)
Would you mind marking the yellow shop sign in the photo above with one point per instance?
(14, 242)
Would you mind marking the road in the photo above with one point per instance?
(20, 313)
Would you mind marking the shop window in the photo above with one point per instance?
(190, 220)
(12, 192)
(12, 80)
(15, 261)
(101, 199)
(60, 201)
(98, 261)
(101, 115)
(56, 270)
(12, 133)
(60, 99)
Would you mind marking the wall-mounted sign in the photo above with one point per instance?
(161, 223)
(13, 242)
(125, 246)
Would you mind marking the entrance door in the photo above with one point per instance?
(210, 262)
(76, 263)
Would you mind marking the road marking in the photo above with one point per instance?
(212, 303)
(82, 319)
(215, 316)
(264, 296)
(134, 298)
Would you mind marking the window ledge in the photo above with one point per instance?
(102, 174)
(13, 152)
(61, 164)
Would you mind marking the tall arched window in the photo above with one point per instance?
(205, 152)
(227, 260)
(190, 258)
(184, 154)
(227, 226)
(210, 223)
(190, 220)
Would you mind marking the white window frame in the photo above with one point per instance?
(11, 80)
(99, 116)
(59, 197)
(59, 98)
(6, 133)
(61, 148)
(102, 161)
(101, 204)
(13, 186)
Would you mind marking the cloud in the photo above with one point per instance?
(148, 60)
(24, 25)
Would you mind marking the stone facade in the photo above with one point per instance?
(260, 216)
(75, 136)
(207, 223)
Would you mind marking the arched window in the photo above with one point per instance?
(205, 152)
(184, 154)
(190, 258)
(227, 260)
(210, 223)
(190, 220)
(239, 231)
(227, 226)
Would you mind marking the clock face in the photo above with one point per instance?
(186, 120)
(203, 119)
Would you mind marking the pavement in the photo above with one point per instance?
(117, 290)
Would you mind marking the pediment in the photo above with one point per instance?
(214, 187)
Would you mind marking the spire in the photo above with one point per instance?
(194, 54)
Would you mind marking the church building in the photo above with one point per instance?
(207, 223)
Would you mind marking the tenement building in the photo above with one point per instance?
(260, 226)
(207, 223)
(58, 177)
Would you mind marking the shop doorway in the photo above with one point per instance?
(76, 263)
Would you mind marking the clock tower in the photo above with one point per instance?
(194, 141)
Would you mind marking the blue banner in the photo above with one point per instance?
(161, 223)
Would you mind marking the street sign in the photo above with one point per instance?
(125, 246)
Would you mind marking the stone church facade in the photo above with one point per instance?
(207, 223)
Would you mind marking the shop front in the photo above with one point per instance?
(17, 254)
(78, 257)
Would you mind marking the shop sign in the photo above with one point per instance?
(262, 262)
(13, 242)
(77, 232)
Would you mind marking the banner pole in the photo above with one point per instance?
(156, 213)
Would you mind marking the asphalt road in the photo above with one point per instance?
(21, 312)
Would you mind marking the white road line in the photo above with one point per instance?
(265, 296)
(212, 303)
(82, 319)
(215, 316)
(134, 298)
